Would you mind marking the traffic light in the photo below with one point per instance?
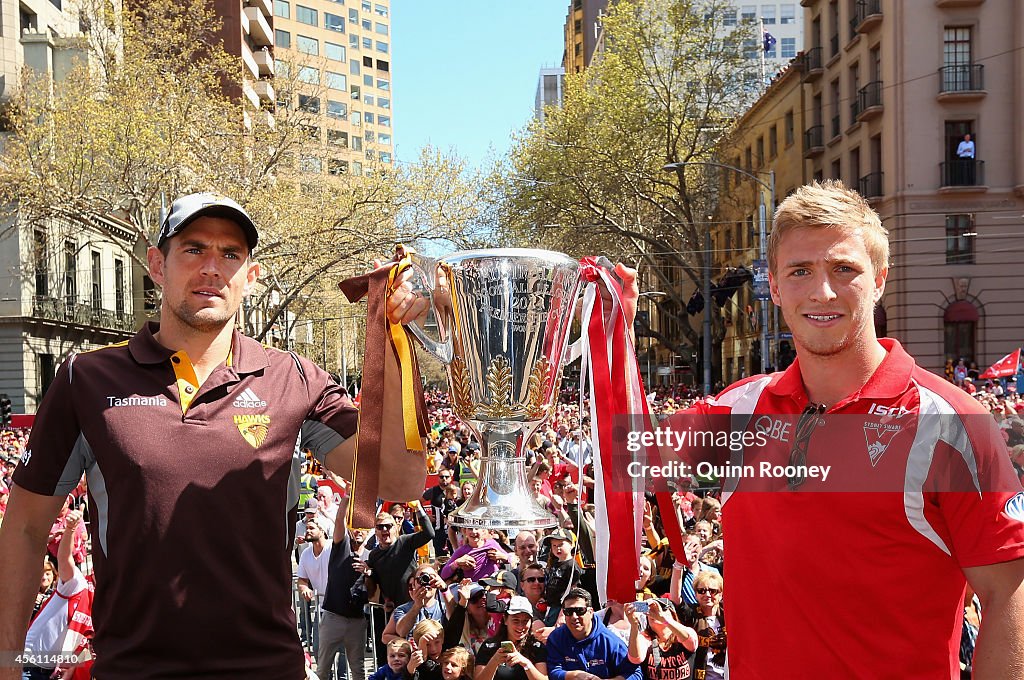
(5, 411)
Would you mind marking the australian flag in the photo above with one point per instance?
(769, 41)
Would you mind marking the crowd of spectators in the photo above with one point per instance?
(437, 602)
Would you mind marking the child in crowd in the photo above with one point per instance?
(399, 653)
(456, 664)
(428, 639)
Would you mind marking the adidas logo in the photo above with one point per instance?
(248, 399)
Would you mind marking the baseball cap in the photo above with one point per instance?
(187, 209)
(312, 505)
(501, 579)
(519, 605)
(474, 590)
(562, 535)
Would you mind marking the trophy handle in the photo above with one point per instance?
(426, 269)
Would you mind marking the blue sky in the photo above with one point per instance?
(465, 71)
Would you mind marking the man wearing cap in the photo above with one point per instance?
(186, 421)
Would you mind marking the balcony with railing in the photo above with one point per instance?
(866, 15)
(812, 63)
(870, 185)
(869, 101)
(961, 82)
(961, 173)
(814, 141)
(73, 311)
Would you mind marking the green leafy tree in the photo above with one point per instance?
(670, 80)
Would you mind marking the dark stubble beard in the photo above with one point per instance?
(201, 320)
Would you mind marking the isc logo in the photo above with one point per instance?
(893, 411)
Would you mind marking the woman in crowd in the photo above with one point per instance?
(467, 617)
(661, 643)
(478, 557)
(708, 619)
(711, 511)
(513, 654)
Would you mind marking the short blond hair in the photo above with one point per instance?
(830, 205)
(703, 579)
(424, 627)
(400, 645)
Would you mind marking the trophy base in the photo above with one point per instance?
(504, 518)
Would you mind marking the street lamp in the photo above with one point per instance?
(763, 250)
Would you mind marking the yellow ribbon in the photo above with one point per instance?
(404, 352)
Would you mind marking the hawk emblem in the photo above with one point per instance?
(253, 428)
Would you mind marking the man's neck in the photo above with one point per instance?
(829, 380)
(206, 350)
(318, 546)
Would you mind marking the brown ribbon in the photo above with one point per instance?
(366, 478)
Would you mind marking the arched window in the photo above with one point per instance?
(960, 322)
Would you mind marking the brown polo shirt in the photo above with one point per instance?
(190, 489)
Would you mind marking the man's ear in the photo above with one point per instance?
(880, 284)
(155, 260)
(773, 287)
(252, 275)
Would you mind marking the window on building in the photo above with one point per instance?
(787, 13)
(307, 45)
(748, 12)
(748, 156)
(729, 16)
(382, 47)
(790, 128)
(959, 325)
(337, 167)
(956, 46)
(46, 371)
(334, 52)
(357, 143)
(70, 274)
(760, 151)
(383, 138)
(788, 48)
(309, 104)
(366, 24)
(282, 9)
(369, 136)
(333, 22)
(306, 15)
(367, 43)
(383, 84)
(960, 238)
(355, 92)
(353, 41)
(768, 14)
(381, 10)
(354, 67)
(353, 16)
(282, 39)
(309, 75)
(338, 138)
(384, 121)
(751, 49)
(41, 262)
(836, 170)
(310, 164)
(773, 141)
(369, 99)
(337, 81)
(368, 117)
(119, 287)
(367, 80)
(337, 110)
(383, 65)
(380, 29)
(357, 168)
(383, 103)
(357, 118)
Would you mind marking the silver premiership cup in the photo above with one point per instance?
(503, 316)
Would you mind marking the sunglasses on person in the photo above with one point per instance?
(707, 591)
(385, 527)
(575, 611)
(534, 579)
(809, 420)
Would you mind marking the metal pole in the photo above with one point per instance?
(324, 340)
(344, 363)
(763, 234)
(707, 308)
(771, 209)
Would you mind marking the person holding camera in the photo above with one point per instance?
(513, 654)
(661, 644)
(424, 586)
(584, 647)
